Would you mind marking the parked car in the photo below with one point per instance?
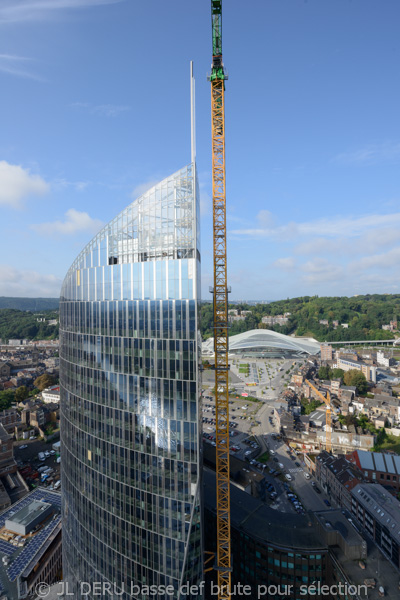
(327, 502)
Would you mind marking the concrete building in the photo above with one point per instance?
(284, 552)
(368, 370)
(30, 544)
(384, 360)
(326, 352)
(379, 514)
(51, 394)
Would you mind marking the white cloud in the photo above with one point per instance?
(370, 154)
(16, 65)
(75, 222)
(321, 270)
(79, 186)
(17, 183)
(13, 11)
(15, 282)
(104, 110)
(286, 264)
(142, 188)
(330, 227)
(386, 260)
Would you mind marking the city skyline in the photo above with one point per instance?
(313, 143)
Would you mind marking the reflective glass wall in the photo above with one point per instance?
(129, 372)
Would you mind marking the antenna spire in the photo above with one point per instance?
(192, 115)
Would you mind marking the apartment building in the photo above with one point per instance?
(379, 514)
(338, 476)
(378, 467)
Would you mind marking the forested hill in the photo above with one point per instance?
(32, 304)
(364, 316)
(18, 324)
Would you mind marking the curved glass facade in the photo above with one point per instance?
(129, 373)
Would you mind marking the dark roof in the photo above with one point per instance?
(261, 522)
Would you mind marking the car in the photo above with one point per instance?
(297, 464)
(313, 483)
(288, 477)
(316, 488)
(307, 476)
(275, 459)
(22, 447)
(272, 452)
(52, 452)
(281, 466)
(327, 502)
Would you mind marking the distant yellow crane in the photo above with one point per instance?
(327, 400)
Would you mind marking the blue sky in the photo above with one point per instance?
(95, 107)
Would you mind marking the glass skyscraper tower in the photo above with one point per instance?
(130, 427)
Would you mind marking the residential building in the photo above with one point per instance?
(378, 467)
(338, 476)
(275, 320)
(51, 394)
(7, 461)
(130, 395)
(326, 352)
(379, 514)
(384, 360)
(9, 418)
(5, 369)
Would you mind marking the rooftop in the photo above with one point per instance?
(251, 515)
(23, 559)
(29, 513)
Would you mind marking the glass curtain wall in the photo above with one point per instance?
(130, 402)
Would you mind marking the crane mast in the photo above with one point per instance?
(327, 400)
(217, 78)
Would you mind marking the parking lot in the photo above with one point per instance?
(26, 454)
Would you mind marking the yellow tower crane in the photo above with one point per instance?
(217, 79)
(327, 400)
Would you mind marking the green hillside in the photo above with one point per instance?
(364, 315)
(32, 304)
(18, 324)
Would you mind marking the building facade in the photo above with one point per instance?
(379, 514)
(378, 467)
(129, 378)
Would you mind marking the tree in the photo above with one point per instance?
(357, 379)
(21, 393)
(6, 399)
(324, 372)
(43, 381)
(337, 374)
(381, 437)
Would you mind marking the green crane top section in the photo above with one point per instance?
(217, 67)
